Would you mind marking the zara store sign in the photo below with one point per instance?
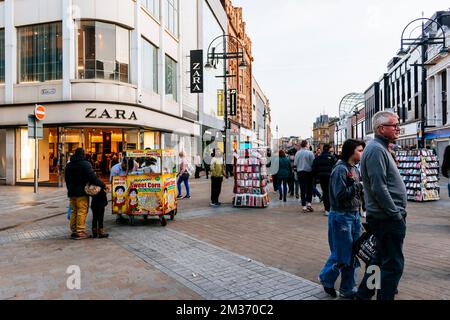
(101, 113)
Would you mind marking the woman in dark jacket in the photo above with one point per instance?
(284, 171)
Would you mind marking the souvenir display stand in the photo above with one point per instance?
(250, 179)
(151, 190)
(420, 172)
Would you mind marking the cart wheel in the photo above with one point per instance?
(163, 221)
(132, 220)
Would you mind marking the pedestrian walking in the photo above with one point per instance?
(386, 198)
(446, 166)
(344, 222)
(294, 186)
(304, 159)
(217, 174)
(183, 176)
(78, 174)
(322, 168)
(284, 172)
(98, 204)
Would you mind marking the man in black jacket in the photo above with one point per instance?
(322, 167)
(78, 173)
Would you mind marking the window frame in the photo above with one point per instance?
(172, 10)
(174, 77)
(35, 74)
(155, 75)
(118, 75)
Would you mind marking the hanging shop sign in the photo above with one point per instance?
(220, 103)
(196, 71)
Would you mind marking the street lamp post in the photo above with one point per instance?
(423, 41)
(356, 113)
(213, 59)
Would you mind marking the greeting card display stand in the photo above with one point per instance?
(420, 172)
(250, 179)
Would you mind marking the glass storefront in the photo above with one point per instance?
(103, 147)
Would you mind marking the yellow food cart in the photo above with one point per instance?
(150, 188)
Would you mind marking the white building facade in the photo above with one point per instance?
(112, 74)
(438, 98)
(260, 116)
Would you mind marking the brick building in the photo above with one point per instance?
(243, 77)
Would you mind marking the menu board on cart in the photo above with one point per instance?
(144, 194)
(119, 195)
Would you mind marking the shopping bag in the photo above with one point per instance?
(69, 211)
(365, 247)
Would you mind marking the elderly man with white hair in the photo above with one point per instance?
(385, 195)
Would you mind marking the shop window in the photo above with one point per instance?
(149, 66)
(171, 78)
(2, 55)
(103, 51)
(40, 52)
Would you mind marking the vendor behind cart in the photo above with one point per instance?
(121, 169)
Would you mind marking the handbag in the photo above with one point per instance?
(91, 189)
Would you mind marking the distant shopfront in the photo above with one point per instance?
(103, 130)
(438, 140)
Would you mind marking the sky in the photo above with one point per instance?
(308, 54)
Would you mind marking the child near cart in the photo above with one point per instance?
(98, 204)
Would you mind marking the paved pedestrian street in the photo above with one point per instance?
(206, 253)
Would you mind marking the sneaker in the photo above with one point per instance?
(81, 235)
(305, 210)
(297, 196)
(179, 197)
(326, 214)
(363, 214)
(186, 197)
(330, 291)
(309, 209)
(350, 296)
(213, 204)
(73, 235)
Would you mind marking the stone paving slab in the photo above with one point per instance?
(186, 259)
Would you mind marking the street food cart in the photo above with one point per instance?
(148, 189)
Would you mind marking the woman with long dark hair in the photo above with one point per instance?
(344, 222)
(446, 166)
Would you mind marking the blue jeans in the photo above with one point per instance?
(183, 178)
(344, 228)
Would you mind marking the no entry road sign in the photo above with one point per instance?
(39, 112)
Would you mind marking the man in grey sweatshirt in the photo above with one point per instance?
(385, 195)
(304, 159)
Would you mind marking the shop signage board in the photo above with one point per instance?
(220, 103)
(233, 102)
(196, 71)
